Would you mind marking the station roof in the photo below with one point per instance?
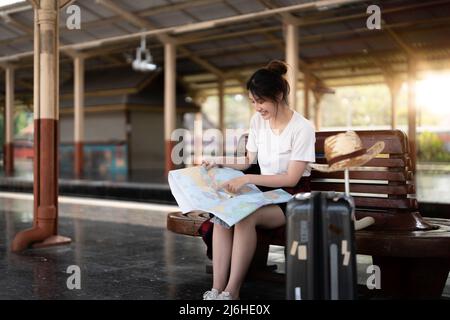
(335, 45)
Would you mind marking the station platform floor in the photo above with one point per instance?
(123, 251)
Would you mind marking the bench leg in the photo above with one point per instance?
(412, 277)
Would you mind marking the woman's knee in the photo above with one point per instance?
(247, 223)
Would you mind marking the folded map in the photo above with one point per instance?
(196, 188)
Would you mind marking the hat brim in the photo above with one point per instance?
(371, 153)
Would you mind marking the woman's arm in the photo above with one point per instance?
(238, 163)
(290, 179)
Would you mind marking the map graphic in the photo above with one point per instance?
(196, 188)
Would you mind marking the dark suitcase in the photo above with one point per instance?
(320, 251)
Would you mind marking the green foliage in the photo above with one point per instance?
(431, 148)
(21, 120)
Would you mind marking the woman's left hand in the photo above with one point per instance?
(235, 184)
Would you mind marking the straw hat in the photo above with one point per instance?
(345, 150)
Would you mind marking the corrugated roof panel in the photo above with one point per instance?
(211, 11)
(106, 31)
(247, 6)
(380, 43)
(225, 61)
(75, 36)
(168, 19)
(424, 37)
(201, 46)
(137, 5)
(292, 2)
(327, 28)
(251, 58)
(355, 47)
(127, 26)
(407, 16)
(314, 51)
(359, 23)
(93, 6)
(23, 46)
(6, 50)
(87, 14)
(254, 38)
(8, 33)
(440, 11)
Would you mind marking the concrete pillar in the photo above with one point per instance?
(8, 147)
(198, 138)
(394, 88)
(317, 112)
(169, 101)
(221, 96)
(306, 84)
(79, 115)
(46, 135)
(292, 61)
(412, 74)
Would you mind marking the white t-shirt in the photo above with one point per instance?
(296, 142)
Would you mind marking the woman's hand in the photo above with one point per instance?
(208, 164)
(235, 184)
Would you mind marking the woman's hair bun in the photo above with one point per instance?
(277, 66)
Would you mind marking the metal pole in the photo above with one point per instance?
(169, 101)
(221, 97)
(78, 115)
(306, 85)
(412, 111)
(292, 61)
(8, 149)
(347, 182)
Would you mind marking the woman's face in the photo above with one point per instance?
(266, 108)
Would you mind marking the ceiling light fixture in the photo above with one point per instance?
(143, 64)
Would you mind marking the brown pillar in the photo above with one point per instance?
(8, 148)
(46, 138)
(412, 110)
(78, 115)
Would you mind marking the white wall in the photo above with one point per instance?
(147, 139)
(98, 127)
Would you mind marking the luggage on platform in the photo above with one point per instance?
(320, 247)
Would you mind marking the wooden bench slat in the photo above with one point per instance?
(395, 140)
(385, 203)
(364, 175)
(364, 188)
(378, 162)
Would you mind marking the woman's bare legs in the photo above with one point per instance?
(244, 243)
(222, 245)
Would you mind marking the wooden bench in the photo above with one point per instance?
(413, 252)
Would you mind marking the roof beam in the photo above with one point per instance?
(398, 40)
(285, 16)
(288, 17)
(16, 24)
(164, 38)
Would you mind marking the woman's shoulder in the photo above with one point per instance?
(256, 120)
(302, 124)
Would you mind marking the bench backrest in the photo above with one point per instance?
(386, 182)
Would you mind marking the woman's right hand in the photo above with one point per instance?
(209, 164)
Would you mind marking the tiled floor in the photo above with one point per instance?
(123, 253)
